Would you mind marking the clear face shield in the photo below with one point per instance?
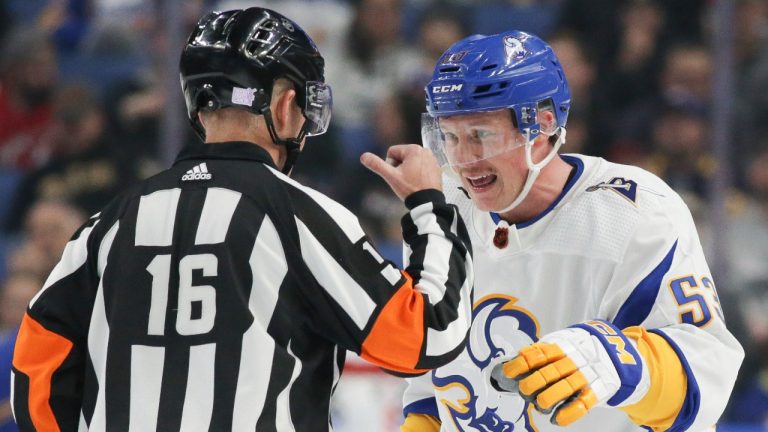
(461, 140)
(317, 108)
(465, 139)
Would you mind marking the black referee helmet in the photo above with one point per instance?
(232, 59)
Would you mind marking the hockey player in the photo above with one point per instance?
(594, 306)
(222, 295)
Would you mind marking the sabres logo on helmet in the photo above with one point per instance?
(514, 48)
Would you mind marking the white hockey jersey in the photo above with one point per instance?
(618, 244)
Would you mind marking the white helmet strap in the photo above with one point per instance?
(534, 169)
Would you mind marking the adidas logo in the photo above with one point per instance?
(198, 172)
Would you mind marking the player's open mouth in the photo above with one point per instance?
(480, 183)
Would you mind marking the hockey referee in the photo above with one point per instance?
(220, 295)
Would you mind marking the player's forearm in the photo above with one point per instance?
(661, 405)
(711, 358)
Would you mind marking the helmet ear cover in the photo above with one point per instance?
(544, 105)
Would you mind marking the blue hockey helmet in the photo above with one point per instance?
(514, 70)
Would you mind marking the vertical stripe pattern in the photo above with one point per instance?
(146, 377)
(98, 336)
(198, 400)
(442, 342)
(268, 267)
(216, 216)
(432, 282)
(156, 217)
(283, 420)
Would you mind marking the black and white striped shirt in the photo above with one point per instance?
(221, 295)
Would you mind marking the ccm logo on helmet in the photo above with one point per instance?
(447, 88)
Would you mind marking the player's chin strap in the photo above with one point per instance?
(293, 145)
(534, 169)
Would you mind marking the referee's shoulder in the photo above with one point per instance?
(117, 206)
(307, 199)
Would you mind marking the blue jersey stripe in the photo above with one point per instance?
(692, 401)
(640, 302)
(423, 406)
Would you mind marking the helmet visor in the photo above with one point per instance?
(317, 109)
(466, 139)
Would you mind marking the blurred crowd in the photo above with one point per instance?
(82, 95)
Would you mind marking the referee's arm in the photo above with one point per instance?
(425, 323)
(49, 357)
(406, 321)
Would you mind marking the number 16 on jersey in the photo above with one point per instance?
(186, 325)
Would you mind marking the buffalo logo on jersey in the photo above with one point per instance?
(499, 328)
(513, 48)
(627, 189)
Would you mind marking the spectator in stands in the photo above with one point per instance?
(438, 30)
(17, 290)
(6, 22)
(751, 102)
(586, 121)
(594, 23)
(685, 82)
(747, 247)
(375, 63)
(687, 75)
(533, 16)
(681, 153)
(88, 170)
(66, 21)
(635, 67)
(28, 75)
(396, 117)
(47, 229)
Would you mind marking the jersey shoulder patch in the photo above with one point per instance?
(636, 186)
(625, 188)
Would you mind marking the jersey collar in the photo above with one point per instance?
(578, 165)
(241, 150)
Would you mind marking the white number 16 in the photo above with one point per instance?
(160, 269)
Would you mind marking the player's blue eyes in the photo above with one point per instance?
(476, 137)
(482, 134)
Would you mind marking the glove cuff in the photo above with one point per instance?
(623, 354)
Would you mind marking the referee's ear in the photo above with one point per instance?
(286, 114)
(203, 119)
